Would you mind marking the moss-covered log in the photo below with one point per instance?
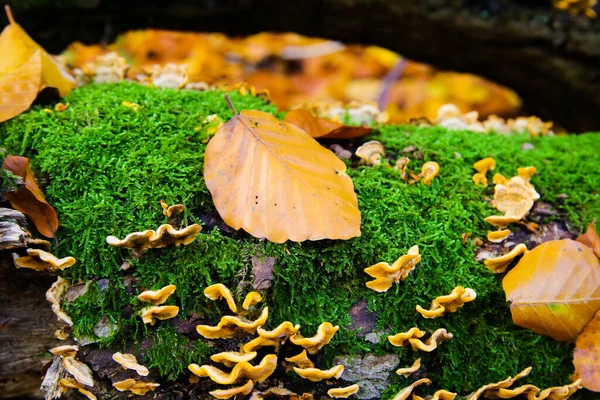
(546, 56)
(107, 166)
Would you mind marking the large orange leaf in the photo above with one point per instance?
(275, 181)
(16, 47)
(324, 128)
(29, 199)
(587, 356)
(19, 88)
(554, 290)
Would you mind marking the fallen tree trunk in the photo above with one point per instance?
(549, 58)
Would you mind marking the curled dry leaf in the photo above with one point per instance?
(323, 128)
(275, 181)
(587, 355)
(559, 308)
(29, 199)
(590, 238)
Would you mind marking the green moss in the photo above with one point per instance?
(108, 166)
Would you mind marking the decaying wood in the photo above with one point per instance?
(13, 232)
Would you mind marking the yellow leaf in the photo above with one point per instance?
(275, 181)
(554, 290)
(19, 88)
(17, 47)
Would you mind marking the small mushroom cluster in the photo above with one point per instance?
(165, 235)
(373, 153)
(107, 68)
(239, 362)
(449, 116)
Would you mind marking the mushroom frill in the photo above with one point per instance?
(450, 302)
(385, 275)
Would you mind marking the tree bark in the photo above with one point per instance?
(551, 59)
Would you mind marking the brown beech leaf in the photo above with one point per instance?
(276, 182)
(554, 290)
(19, 88)
(29, 199)
(590, 238)
(587, 355)
(323, 128)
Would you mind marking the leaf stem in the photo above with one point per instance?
(230, 103)
(9, 14)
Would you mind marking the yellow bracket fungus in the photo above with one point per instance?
(171, 75)
(560, 392)
(40, 260)
(65, 351)
(499, 264)
(498, 385)
(514, 198)
(406, 372)
(220, 291)
(128, 361)
(404, 393)
(70, 383)
(54, 294)
(385, 275)
(498, 236)
(135, 387)
(401, 165)
(482, 167)
(317, 375)
(238, 390)
(301, 360)
(438, 395)
(499, 179)
(429, 170)
(151, 314)
(371, 152)
(241, 370)
(227, 326)
(528, 391)
(500, 221)
(135, 107)
(450, 302)
(157, 297)
(313, 344)
(164, 236)
(251, 299)
(343, 392)
(78, 370)
(431, 344)
(259, 342)
(526, 173)
(230, 358)
(282, 332)
(169, 211)
(401, 338)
